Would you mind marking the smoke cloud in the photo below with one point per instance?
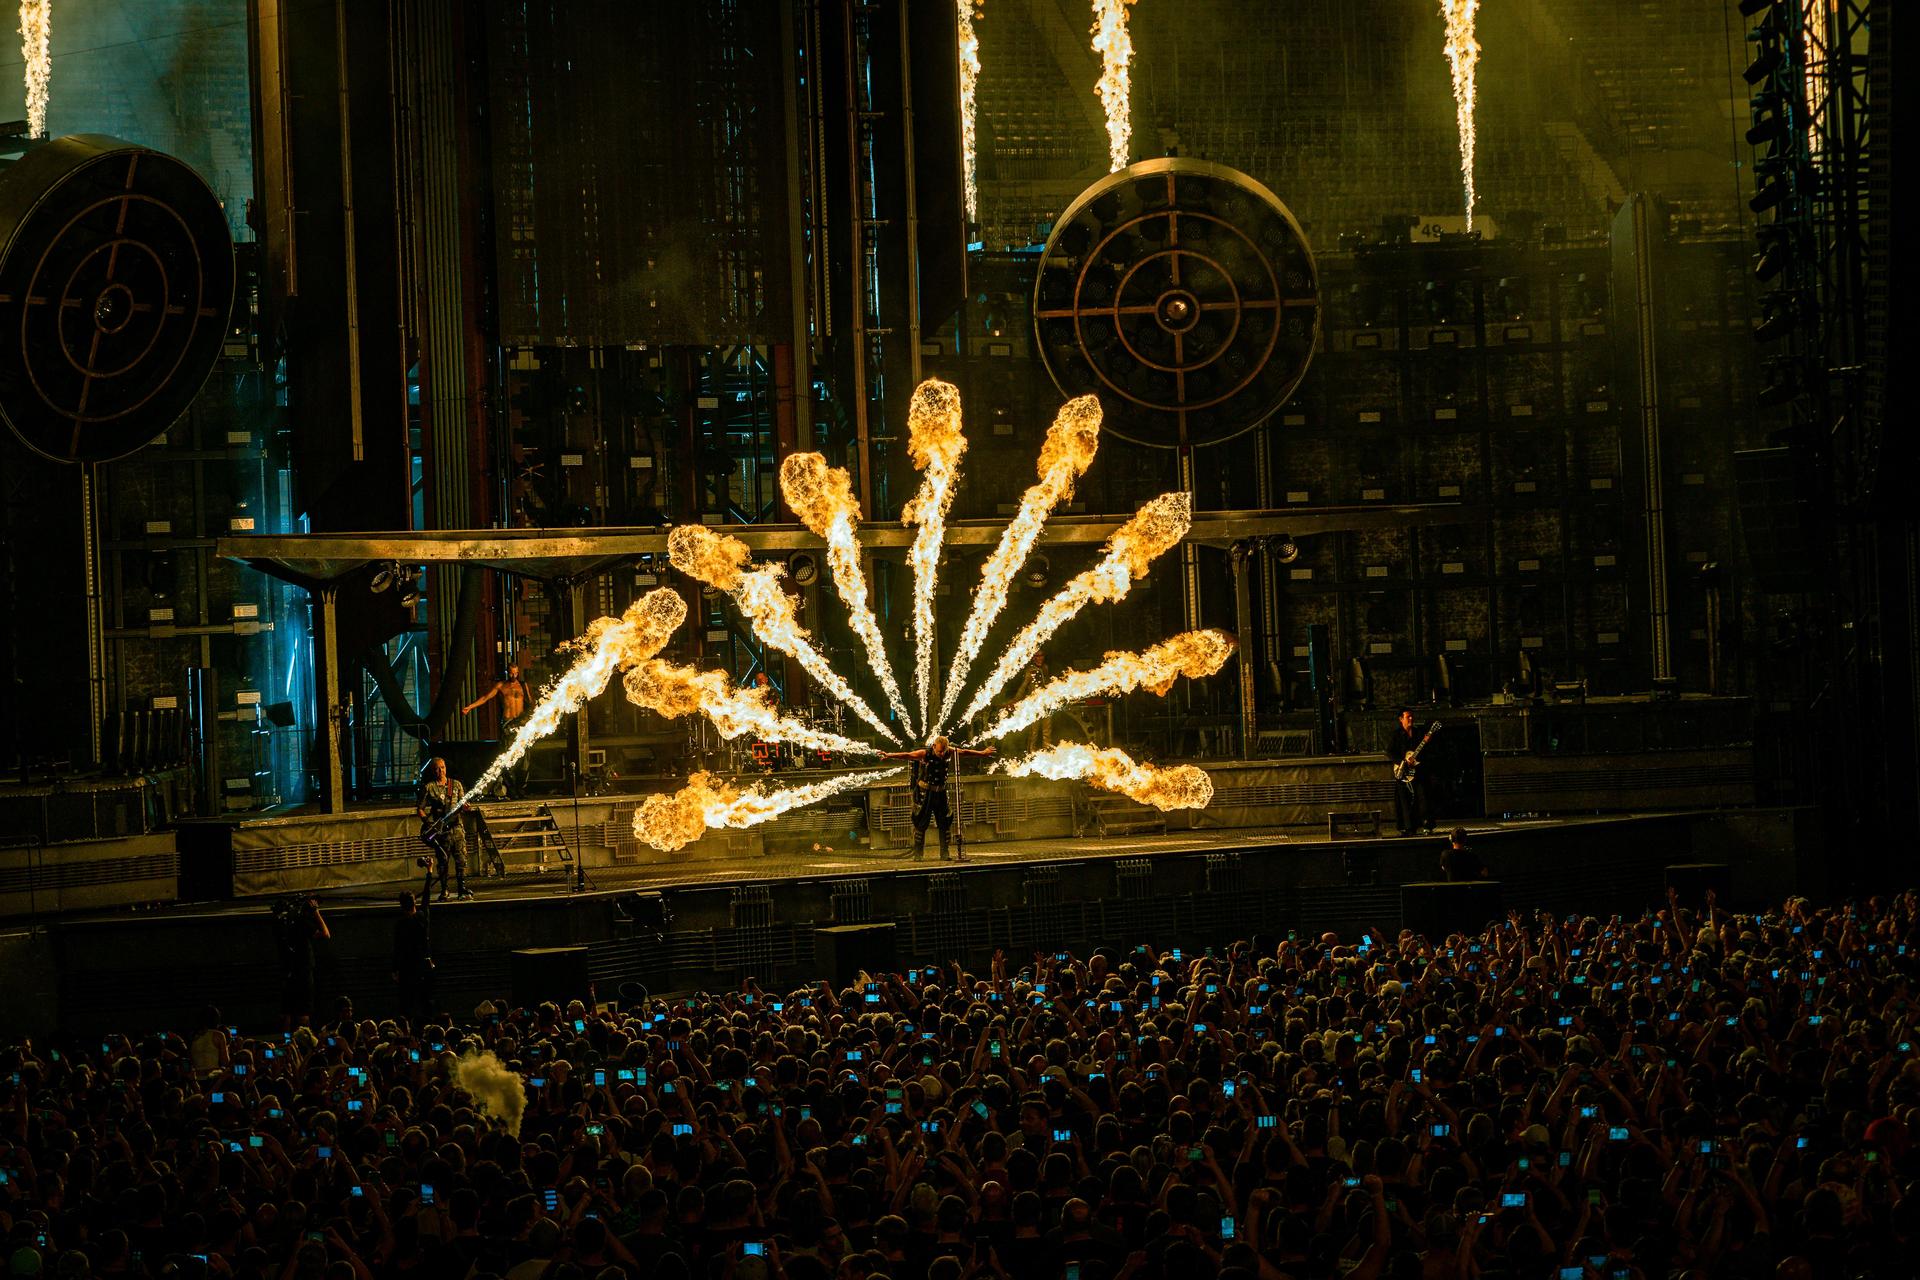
(496, 1091)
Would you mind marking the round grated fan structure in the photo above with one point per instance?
(116, 293)
(1184, 295)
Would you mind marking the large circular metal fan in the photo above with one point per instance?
(1184, 295)
(116, 288)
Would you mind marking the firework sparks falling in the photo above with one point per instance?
(1155, 528)
(1064, 458)
(1463, 57)
(1192, 654)
(670, 822)
(935, 444)
(1115, 47)
(720, 560)
(822, 496)
(609, 644)
(1181, 786)
(36, 53)
(969, 89)
(675, 691)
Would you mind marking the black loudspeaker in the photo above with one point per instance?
(1777, 518)
(1691, 880)
(206, 871)
(1320, 681)
(843, 950)
(1436, 908)
(558, 974)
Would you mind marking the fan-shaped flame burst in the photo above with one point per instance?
(1463, 58)
(675, 691)
(669, 822)
(1115, 47)
(1181, 786)
(1064, 458)
(608, 644)
(969, 91)
(1153, 530)
(822, 496)
(935, 444)
(1192, 654)
(719, 560)
(36, 55)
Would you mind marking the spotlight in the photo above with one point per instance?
(803, 568)
(1783, 381)
(1779, 321)
(1283, 548)
(1768, 128)
(1039, 571)
(384, 577)
(1772, 191)
(410, 597)
(1772, 258)
(1764, 64)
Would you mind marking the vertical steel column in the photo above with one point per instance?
(797, 278)
(1189, 553)
(856, 261)
(1647, 376)
(1243, 623)
(96, 634)
(326, 665)
(913, 200)
(350, 284)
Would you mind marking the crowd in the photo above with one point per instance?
(1683, 1094)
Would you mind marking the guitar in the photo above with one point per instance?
(1404, 770)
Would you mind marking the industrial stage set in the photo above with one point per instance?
(730, 519)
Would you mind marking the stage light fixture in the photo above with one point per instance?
(1764, 64)
(803, 568)
(1283, 548)
(1783, 381)
(1779, 321)
(1768, 128)
(384, 577)
(1771, 260)
(1039, 572)
(1772, 191)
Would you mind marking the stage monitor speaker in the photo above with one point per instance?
(558, 974)
(1436, 908)
(844, 950)
(1692, 880)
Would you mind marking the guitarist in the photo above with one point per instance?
(441, 829)
(932, 765)
(1410, 807)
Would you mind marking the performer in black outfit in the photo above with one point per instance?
(932, 764)
(413, 959)
(1410, 808)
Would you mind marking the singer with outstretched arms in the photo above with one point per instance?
(932, 765)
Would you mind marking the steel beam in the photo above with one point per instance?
(554, 555)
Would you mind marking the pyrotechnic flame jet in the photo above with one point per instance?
(1181, 786)
(1115, 47)
(1463, 59)
(1192, 654)
(669, 822)
(675, 691)
(935, 445)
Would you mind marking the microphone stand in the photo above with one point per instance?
(959, 810)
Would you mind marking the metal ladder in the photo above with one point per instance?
(528, 840)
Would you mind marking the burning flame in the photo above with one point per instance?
(609, 644)
(969, 88)
(670, 822)
(1181, 786)
(36, 52)
(1064, 458)
(822, 496)
(1115, 47)
(1192, 654)
(1155, 528)
(935, 444)
(675, 691)
(1463, 57)
(719, 560)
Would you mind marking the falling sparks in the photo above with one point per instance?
(822, 496)
(670, 822)
(720, 561)
(1180, 786)
(969, 88)
(609, 644)
(1154, 529)
(1463, 56)
(1192, 654)
(1115, 47)
(36, 52)
(1064, 458)
(675, 691)
(935, 444)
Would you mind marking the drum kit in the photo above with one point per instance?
(707, 750)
